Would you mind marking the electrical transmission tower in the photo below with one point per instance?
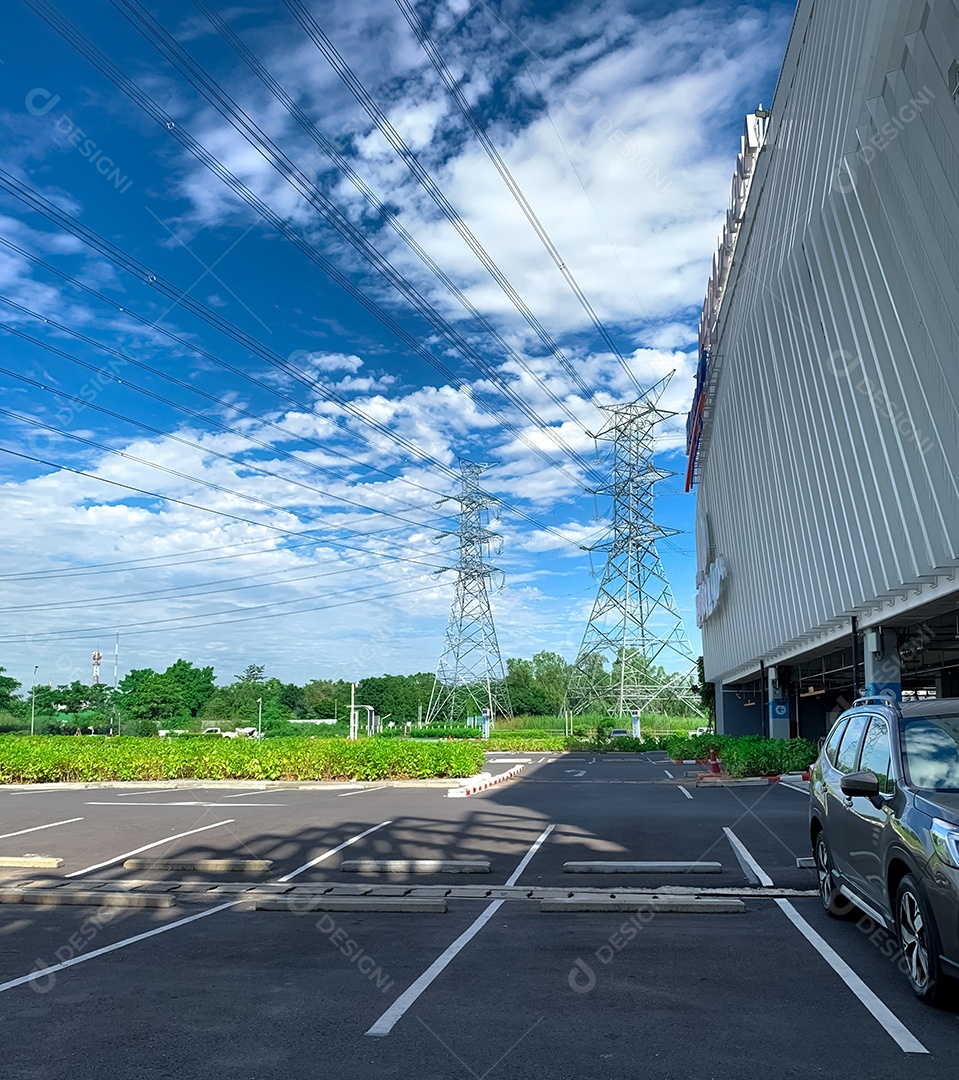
(634, 629)
(470, 677)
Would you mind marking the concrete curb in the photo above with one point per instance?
(409, 905)
(414, 866)
(642, 868)
(714, 780)
(212, 865)
(39, 861)
(662, 905)
(58, 897)
(232, 785)
(472, 789)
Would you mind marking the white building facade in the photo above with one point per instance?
(824, 436)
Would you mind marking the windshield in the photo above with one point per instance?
(930, 752)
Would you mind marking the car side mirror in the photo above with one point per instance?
(864, 783)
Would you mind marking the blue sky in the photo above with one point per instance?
(223, 425)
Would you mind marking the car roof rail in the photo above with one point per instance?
(875, 700)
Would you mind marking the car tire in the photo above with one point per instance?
(919, 942)
(833, 902)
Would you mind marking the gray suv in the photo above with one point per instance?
(884, 827)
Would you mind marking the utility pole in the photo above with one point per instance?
(116, 672)
(259, 718)
(353, 725)
(634, 625)
(33, 698)
(470, 674)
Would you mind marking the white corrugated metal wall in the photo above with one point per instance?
(828, 468)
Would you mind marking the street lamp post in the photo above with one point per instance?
(259, 718)
(33, 699)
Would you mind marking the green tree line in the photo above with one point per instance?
(187, 698)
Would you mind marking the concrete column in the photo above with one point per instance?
(778, 706)
(883, 670)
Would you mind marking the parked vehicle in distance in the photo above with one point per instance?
(211, 731)
(884, 828)
(618, 733)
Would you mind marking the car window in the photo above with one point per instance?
(930, 752)
(876, 754)
(849, 744)
(832, 743)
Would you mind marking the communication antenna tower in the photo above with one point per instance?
(470, 677)
(634, 626)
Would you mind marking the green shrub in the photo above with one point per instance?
(67, 758)
(637, 746)
(746, 755)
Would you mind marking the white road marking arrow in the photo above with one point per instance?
(577, 772)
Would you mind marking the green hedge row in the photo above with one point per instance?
(56, 758)
(746, 755)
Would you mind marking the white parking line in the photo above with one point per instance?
(669, 774)
(191, 803)
(333, 851)
(746, 861)
(159, 791)
(524, 862)
(794, 787)
(908, 1042)
(37, 828)
(894, 1027)
(44, 972)
(388, 1020)
(685, 792)
(343, 794)
(146, 847)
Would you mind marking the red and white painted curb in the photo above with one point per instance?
(481, 785)
(710, 779)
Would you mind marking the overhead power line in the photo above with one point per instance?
(349, 79)
(131, 631)
(181, 592)
(246, 127)
(194, 506)
(83, 403)
(501, 167)
(152, 562)
(94, 240)
(192, 347)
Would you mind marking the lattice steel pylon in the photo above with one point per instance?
(470, 677)
(634, 627)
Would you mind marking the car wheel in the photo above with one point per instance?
(918, 941)
(832, 900)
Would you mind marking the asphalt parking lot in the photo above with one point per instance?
(493, 987)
